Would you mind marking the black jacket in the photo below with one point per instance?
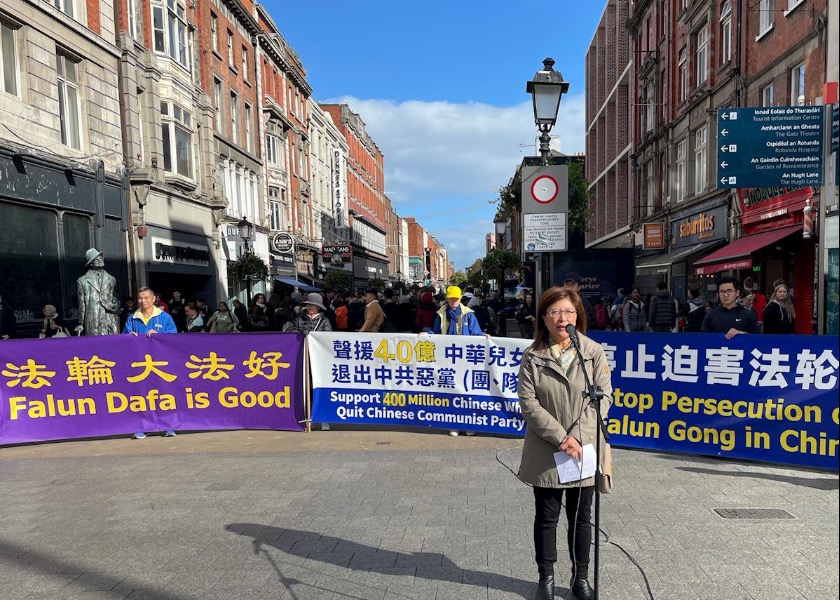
(721, 320)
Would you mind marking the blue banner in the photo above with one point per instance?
(769, 398)
(756, 397)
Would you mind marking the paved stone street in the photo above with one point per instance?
(379, 514)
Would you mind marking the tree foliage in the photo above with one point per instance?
(249, 266)
(580, 214)
(498, 263)
(458, 278)
(338, 280)
(378, 283)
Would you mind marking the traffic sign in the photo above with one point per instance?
(544, 232)
(769, 146)
(545, 189)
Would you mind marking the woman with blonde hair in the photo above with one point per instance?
(779, 314)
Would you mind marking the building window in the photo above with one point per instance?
(301, 166)
(131, 17)
(701, 139)
(170, 30)
(683, 74)
(793, 4)
(650, 190)
(249, 142)
(244, 63)
(141, 127)
(649, 112)
(68, 101)
(176, 132)
(765, 16)
(797, 85)
(271, 144)
(234, 124)
(767, 95)
(682, 164)
(276, 220)
(66, 6)
(725, 32)
(8, 60)
(702, 40)
(230, 48)
(214, 32)
(217, 100)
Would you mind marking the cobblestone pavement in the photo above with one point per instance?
(382, 514)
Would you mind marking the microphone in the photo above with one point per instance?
(570, 329)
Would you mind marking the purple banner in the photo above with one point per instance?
(78, 387)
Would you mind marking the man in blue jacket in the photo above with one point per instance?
(149, 320)
(456, 319)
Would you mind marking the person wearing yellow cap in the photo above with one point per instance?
(456, 319)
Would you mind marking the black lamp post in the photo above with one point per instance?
(546, 89)
(246, 232)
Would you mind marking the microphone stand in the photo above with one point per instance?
(595, 394)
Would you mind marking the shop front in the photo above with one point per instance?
(51, 214)
(774, 246)
(176, 260)
(831, 274)
(367, 267)
(282, 256)
(694, 233)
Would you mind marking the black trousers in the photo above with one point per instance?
(547, 503)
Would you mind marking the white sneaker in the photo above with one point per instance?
(325, 426)
(453, 432)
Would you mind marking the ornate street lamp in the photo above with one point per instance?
(546, 89)
(246, 231)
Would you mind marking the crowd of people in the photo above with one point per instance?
(414, 310)
(739, 302)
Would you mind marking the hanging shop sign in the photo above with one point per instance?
(653, 236)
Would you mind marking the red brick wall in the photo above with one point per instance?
(787, 34)
(93, 16)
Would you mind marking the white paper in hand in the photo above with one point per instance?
(570, 469)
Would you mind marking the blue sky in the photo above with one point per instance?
(440, 86)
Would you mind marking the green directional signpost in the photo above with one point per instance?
(770, 146)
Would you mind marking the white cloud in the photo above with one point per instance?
(444, 161)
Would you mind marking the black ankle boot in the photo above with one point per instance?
(582, 590)
(545, 588)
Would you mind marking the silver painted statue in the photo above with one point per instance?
(98, 307)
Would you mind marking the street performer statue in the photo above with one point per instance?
(98, 307)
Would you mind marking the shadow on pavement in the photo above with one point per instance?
(32, 560)
(361, 557)
(817, 484)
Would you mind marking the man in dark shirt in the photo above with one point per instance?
(729, 317)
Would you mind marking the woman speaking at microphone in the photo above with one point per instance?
(560, 418)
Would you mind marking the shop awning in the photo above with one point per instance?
(737, 254)
(298, 284)
(661, 263)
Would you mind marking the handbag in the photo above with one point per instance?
(61, 333)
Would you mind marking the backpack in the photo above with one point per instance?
(620, 318)
(602, 318)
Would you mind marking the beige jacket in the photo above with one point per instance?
(551, 402)
(374, 316)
